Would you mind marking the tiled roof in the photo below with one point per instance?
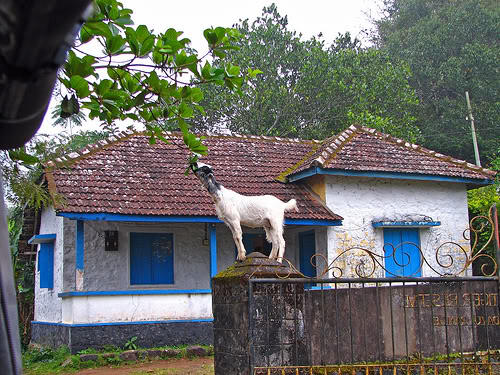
(363, 149)
(127, 175)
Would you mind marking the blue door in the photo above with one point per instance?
(402, 252)
(307, 248)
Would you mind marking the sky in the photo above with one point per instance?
(329, 17)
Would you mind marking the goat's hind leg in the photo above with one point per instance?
(235, 228)
(270, 238)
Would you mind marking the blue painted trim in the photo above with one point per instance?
(319, 287)
(394, 175)
(134, 292)
(42, 238)
(123, 323)
(213, 250)
(313, 222)
(178, 219)
(80, 245)
(421, 224)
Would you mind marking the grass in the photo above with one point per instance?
(42, 361)
(204, 370)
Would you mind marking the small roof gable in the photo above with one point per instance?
(362, 149)
(126, 175)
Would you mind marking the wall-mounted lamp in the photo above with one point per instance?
(111, 240)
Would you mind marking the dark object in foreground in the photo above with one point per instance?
(34, 39)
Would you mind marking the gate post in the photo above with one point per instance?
(231, 310)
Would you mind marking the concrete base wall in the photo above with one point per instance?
(79, 337)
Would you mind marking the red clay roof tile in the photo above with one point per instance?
(364, 149)
(130, 176)
(127, 175)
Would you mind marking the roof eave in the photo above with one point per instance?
(179, 219)
(471, 183)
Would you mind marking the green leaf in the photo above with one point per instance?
(252, 73)
(80, 85)
(131, 37)
(115, 44)
(147, 46)
(185, 111)
(98, 28)
(142, 33)
(205, 71)
(221, 33)
(79, 66)
(183, 126)
(172, 34)
(20, 154)
(232, 70)
(85, 35)
(196, 94)
(219, 53)
(139, 99)
(201, 110)
(210, 36)
(122, 21)
(180, 58)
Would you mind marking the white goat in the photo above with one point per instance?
(235, 210)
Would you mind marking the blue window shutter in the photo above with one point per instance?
(405, 243)
(46, 265)
(162, 259)
(151, 258)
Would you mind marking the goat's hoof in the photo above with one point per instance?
(241, 258)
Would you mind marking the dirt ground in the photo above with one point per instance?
(197, 366)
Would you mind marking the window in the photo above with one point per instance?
(402, 252)
(151, 258)
(46, 265)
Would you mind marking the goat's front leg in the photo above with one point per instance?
(235, 228)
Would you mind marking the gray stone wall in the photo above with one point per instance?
(99, 336)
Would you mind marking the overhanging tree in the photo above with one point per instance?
(452, 47)
(143, 76)
(309, 90)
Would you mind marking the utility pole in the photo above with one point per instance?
(474, 139)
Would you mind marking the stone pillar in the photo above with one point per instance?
(277, 337)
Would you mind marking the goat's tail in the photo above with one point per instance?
(291, 205)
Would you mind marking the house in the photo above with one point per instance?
(131, 244)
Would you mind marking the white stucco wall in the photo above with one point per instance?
(129, 308)
(361, 200)
(48, 305)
